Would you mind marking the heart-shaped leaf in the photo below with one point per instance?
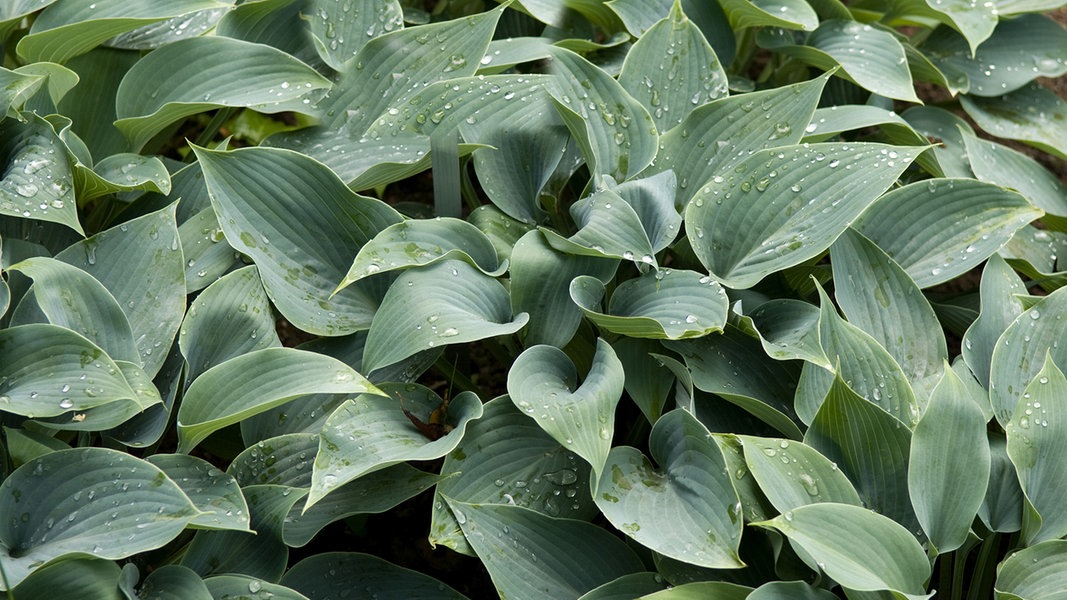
(543, 383)
(687, 509)
(338, 573)
(793, 474)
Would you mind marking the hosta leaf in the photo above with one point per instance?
(882, 300)
(793, 474)
(68, 28)
(687, 509)
(659, 304)
(941, 125)
(170, 30)
(754, 505)
(652, 198)
(609, 227)
(77, 578)
(17, 88)
(140, 263)
(254, 588)
(230, 318)
(301, 226)
(540, 280)
(338, 573)
(696, 150)
(649, 380)
(448, 302)
(781, 207)
(1018, 51)
(506, 458)
(369, 433)
(1037, 445)
(339, 31)
(1002, 508)
(949, 464)
(214, 493)
(206, 73)
(422, 242)
(1000, 306)
(1032, 114)
(951, 225)
(530, 555)
(254, 382)
(50, 370)
(880, 66)
(37, 182)
(734, 366)
(504, 232)
(870, 446)
(259, 553)
(121, 173)
(1036, 572)
(617, 135)
(858, 548)
(90, 105)
(374, 492)
(720, 590)
(282, 460)
(70, 503)
(1003, 166)
(671, 83)
(789, 590)
(111, 414)
(207, 255)
(789, 329)
(71, 298)
(169, 581)
(788, 14)
(1020, 351)
(635, 585)
(147, 427)
(543, 382)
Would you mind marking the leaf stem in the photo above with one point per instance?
(221, 116)
(455, 377)
(985, 569)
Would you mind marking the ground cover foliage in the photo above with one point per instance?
(704, 303)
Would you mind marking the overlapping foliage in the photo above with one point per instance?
(771, 327)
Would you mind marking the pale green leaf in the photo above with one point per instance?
(1000, 306)
(230, 318)
(1036, 573)
(659, 304)
(256, 588)
(66, 504)
(449, 302)
(938, 229)
(140, 263)
(421, 242)
(331, 574)
(871, 448)
(214, 493)
(533, 556)
(340, 29)
(789, 329)
(687, 509)
(83, 578)
(949, 464)
(1037, 445)
(858, 548)
(50, 370)
(256, 381)
(280, 461)
(1018, 51)
(1020, 351)
(68, 28)
(609, 227)
(121, 173)
(940, 125)
(698, 590)
(169, 581)
(202, 74)
(627, 587)
(734, 366)
(616, 133)
(71, 298)
(697, 150)
(879, 297)
(781, 207)
(793, 474)
(543, 382)
(1032, 114)
(302, 226)
(788, 14)
(649, 381)
(640, 15)
(671, 83)
(207, 255)
(1002, 508)
(368, 433)
(1003, 166)
(37, 182)
(506, 458)
(160, 33)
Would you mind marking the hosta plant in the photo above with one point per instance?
(641, 298)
